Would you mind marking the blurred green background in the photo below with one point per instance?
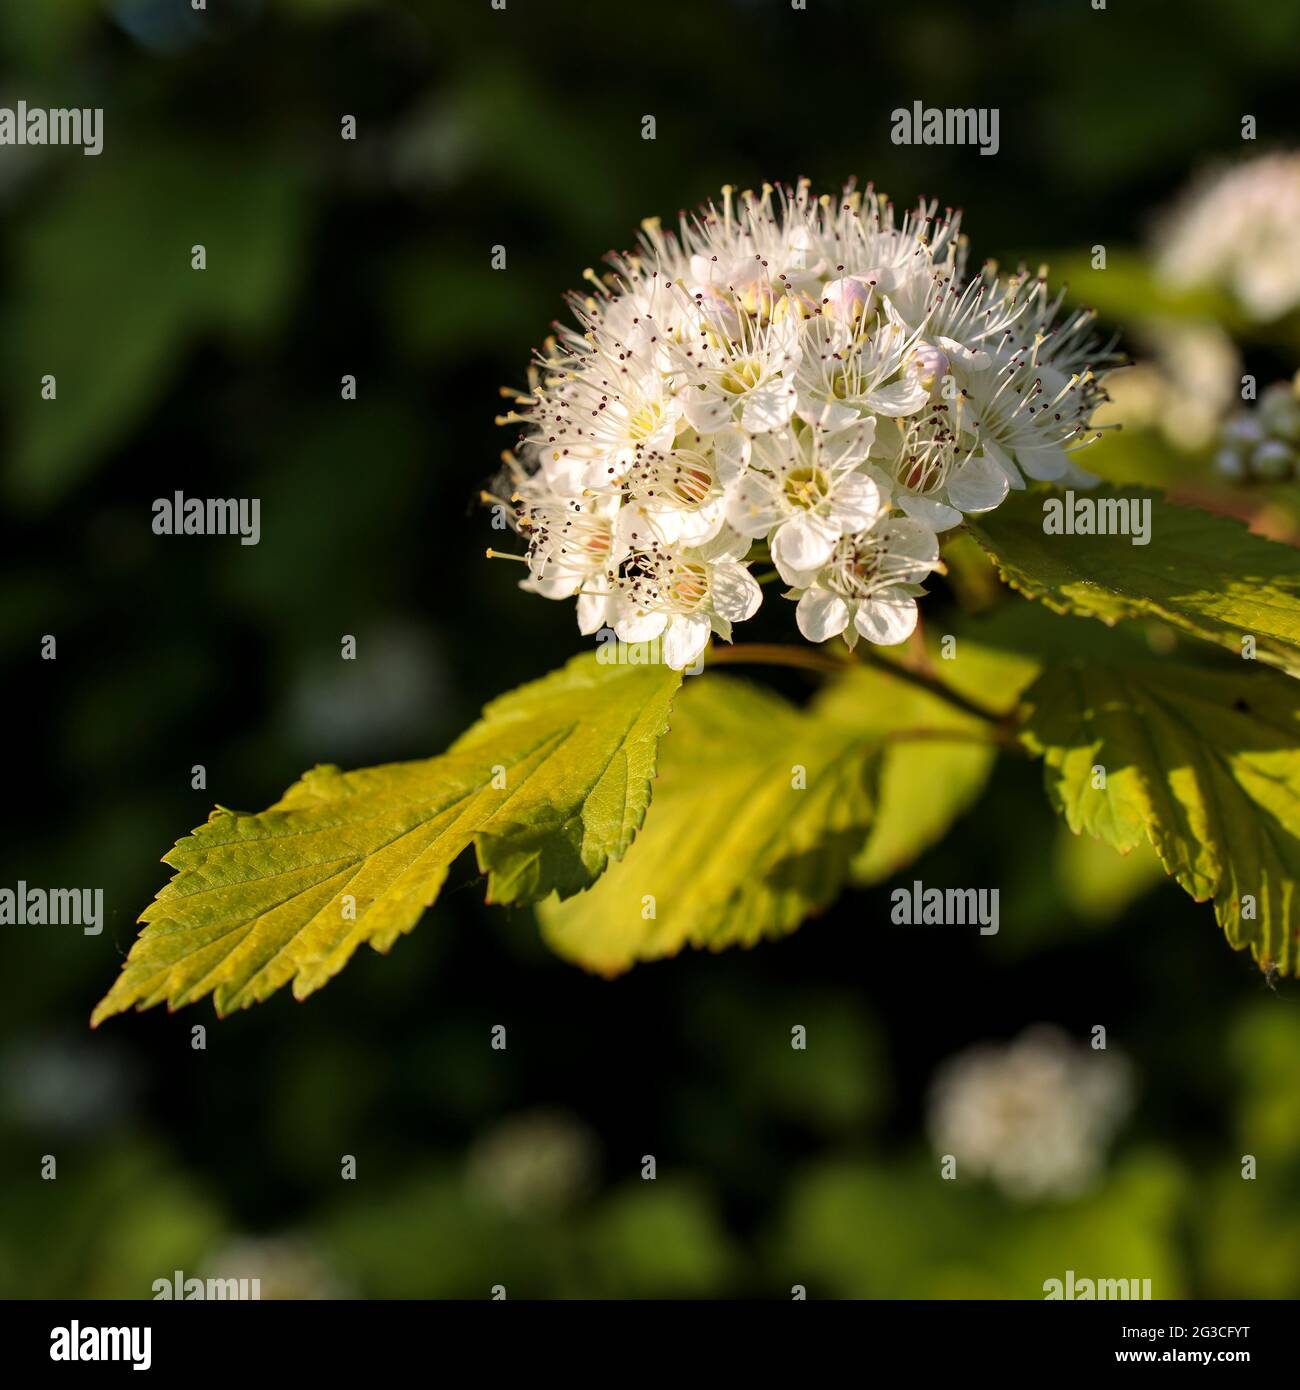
(475, 1167)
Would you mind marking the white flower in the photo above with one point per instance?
(747, 379)
(867, 588)
(283, 1267)
(803, 490)
(681, 493)
(812, 378)
(844, 377)
(534, 1161)
(681, 599)
(1004, 414)
(1035, 1115)
(1240, 228)
(573, 546)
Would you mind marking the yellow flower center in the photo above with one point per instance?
(806, 487)
(742, 377)
(690, 584)
(646, 421)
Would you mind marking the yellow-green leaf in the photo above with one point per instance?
(759, 811)
(925, 784)
(549, 786)
(1204, 763)
(1204, 574)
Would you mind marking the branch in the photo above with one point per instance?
(808, 658)
(802, 658)
(928, 681)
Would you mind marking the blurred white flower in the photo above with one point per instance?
(1035, 1115)
(65, 1084)
(1187, 378)
(533, 1162)
(288, 1267)
(1239, 228)
(359, 708)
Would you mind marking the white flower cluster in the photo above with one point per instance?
(1240, 228)
(1034, 1115)
(795, 381)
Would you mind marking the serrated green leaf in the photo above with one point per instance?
(732, 852)
(1204, 763)
(1202, 573)
(549, 786)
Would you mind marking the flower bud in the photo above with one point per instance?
(1228, 463)
(1272, 460)
(849, 299)
(929, 365)
(1242, 430)
(1280, 412)
(796, 304)
(719, 310)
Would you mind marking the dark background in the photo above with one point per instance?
(523, 128)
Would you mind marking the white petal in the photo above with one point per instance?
(936, 515)
(974, 359)
(730, 447)
(821, 615)
(856, 502)
(744, 271)
(566, 474)
(1078, 477)
(850, 445)
(706, 410)
(718, 308)
(914, 543)
(728, 544)
(904, 397)
(887, 619)
(993, 450)
(751, 508)
(736, 593)
(591, 612)
(908, 298)
(884, 483)
(632, 518)
(685, 637)
(556, 581)
(769, 453)
(703, 270)
(978, 485)
(639, 627)
(827, 412)
(785, 342)
(882, 277)
(768, 406)
(602, 472)
(805, 542)
(698, 528)
(1045, 464)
